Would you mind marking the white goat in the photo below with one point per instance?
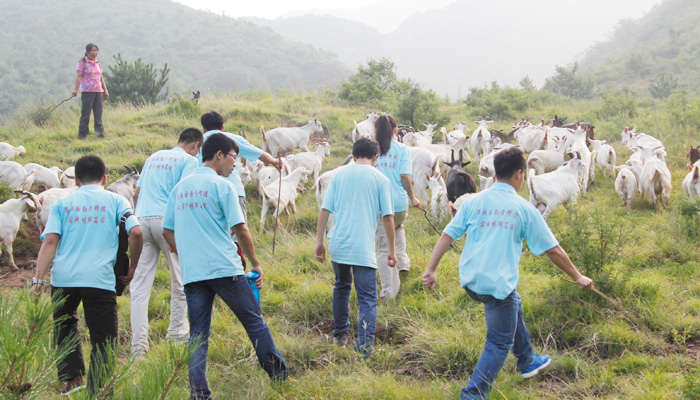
(546, 160)
(486, 167)
(691, 183)
(14, 175)
(126, 185)
(285, 140)
(438, 195)
(606, 157)
(626, 185)
(310, 160)
(458, 132)
(68, 178)
(531, 138)
(45, 201)
(12, 212)
(415, 139)
(486, 182)
(365, 128)
(654, 180)
(580, 148)
(287, 195)
(481, 139)
(549, 190)
(46, 177)
(423, 163)
(8, 151)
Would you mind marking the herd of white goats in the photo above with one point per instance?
(551, 179)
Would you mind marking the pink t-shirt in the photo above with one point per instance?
(92, 75)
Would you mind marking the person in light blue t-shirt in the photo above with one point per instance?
(358, 195)
(395, 163)
(496, 221)
(201, 211)
(81, 239)
(159, 175)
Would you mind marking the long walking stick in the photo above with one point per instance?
(42, 114)
(425, 214)
(277, 214)
(614, 302)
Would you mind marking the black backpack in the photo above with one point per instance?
(121, 266)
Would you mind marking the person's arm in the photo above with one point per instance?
(267, 159)
(169, 236)
(320, 249)
(390, 230)
(408, 186)
(429, 279)
(136, 196)
(246, 243)
(78, 78)
(47, 252)
(135, 247)
(559, 257)
(104, 87)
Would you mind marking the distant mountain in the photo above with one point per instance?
(42, 40)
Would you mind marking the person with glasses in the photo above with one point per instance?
(201, 210)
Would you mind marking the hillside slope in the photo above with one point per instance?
(42, 41)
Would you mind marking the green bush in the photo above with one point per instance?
(663, 86)
(6, 192)
(136, 83)
(499, 103)
(181, 106)
(618, 102)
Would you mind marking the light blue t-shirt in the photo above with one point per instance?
(161, 172)
(201, 210)
(496, 221)
(393, 164)
(357, 195)
(245, 150)
(87, 222)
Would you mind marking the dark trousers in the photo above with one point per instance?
(238, 296)
(101, 317)
(92, 102)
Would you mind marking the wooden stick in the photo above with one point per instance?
(616, 303)
(277, 214)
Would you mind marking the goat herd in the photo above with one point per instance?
(552, 180)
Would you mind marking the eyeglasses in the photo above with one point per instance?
(234, 155)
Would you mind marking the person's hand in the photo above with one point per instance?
(391, 259)
(415, 202)
(106, 95)
(429, 280)
(320, 252)
(75, 93)
(259, 282)
(36, 289)
(278, 164)
(125, 279)
(584, 283)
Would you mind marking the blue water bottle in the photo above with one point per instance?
(252, 277)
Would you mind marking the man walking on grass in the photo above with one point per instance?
(201, 210)
(358, 195)
(161, 172)
(81, 239)
(496, 221)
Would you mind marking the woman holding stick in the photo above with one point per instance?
(90, 81)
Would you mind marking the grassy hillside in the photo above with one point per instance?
(43, 40)
(428, 342)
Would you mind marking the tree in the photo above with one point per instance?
(414, 104)
(663, 86)
(370, 83)
(527, 84)
(136, 83)
(567, 83)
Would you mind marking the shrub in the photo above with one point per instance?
(567, 83)
(663, 86)
(136, 83)
(183, 107)
(619, 102)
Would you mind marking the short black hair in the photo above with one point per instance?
(191, 135)
(212, 121)
(216, 142)
(89, 169)
(507, 162)
(365, 148)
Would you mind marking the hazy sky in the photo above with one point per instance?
(608, 10)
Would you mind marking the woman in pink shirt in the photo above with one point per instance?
(90, 81)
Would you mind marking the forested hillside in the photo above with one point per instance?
(664, 43)
(41, 41)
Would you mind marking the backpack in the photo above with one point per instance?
(121, 266)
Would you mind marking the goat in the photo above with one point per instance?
(365, 128)
(45, 201)
(561, 186)
(486, 167)
(606, 158)
(481, 138)
(284, 140)
(286, 196)
(626, 185)
(693, 155)
(486, 182)
(8, 151)
(458, 132)
(655, 180)
(14, 175)
(310, 160)
(68, 178)
(580, 148)
(459, 181)
(691, 183)
(438, 195)
(46, 177)
(196, 96)
(546, 160)
(125, 185)
(12, 212)
(454, 207)
(423, 164)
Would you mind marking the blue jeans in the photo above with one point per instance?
(366, 288)
(238, 296)
(505, 329)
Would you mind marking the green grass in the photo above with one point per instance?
(427, 342)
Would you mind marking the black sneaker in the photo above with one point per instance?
(341, 339)
(72, 386)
